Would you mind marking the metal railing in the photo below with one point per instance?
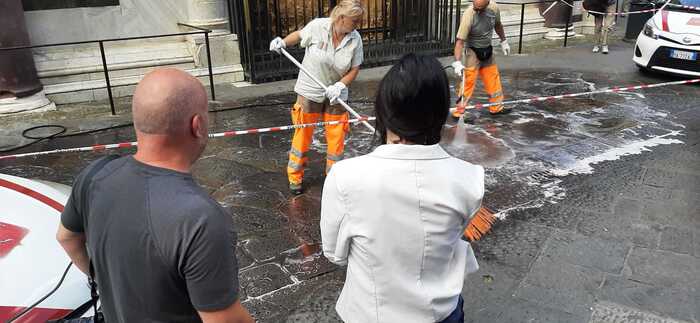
(105, 69)
(570, 22)
(522, 19)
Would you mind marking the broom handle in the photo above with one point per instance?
(342, 103)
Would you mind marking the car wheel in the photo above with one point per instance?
(644, 70)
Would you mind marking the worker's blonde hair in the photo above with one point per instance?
(348, 8)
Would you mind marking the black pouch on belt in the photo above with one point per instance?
(483, 54)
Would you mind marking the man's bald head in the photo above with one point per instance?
(165, 101)
(481, 4)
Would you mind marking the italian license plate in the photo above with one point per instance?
(681, 54)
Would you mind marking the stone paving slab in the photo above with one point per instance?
(518, 245)
(306, 262)
(663, 269)
(677, 240)
(269, 245)
(667, 302)
(260, 280)
(485, 290)
(310, 300)
(249, 221)
(551, 215)
(517, 310)
(603, 255)
(672, 179)
(621, 226)
(612, 313)
(672, 214)
(560, 285)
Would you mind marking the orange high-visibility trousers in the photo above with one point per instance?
(492, 84)
(305, 111)
(335, 138)
(488, 72)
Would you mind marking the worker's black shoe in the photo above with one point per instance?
(456, 114)
(296, 189)
(468, 118)
(503, 110)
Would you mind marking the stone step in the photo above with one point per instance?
(92, 90)
(72, 74)
(117, 71)
(54, 62)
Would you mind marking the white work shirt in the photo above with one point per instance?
(396, 217)
(326, 63)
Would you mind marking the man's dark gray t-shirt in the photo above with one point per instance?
(161, 247)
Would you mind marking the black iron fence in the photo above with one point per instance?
(105, 67)
(390, 28)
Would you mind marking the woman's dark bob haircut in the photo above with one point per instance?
(413, 100)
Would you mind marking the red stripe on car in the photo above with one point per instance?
(664, 20)
(31, 193)
(37, 314)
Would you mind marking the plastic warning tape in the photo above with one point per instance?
(290, 127)
(573, 95)
(626, 13)
(215, 135)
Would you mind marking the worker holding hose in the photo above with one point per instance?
(333, 55)
(474, 54)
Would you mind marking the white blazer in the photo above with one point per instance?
(396, 217)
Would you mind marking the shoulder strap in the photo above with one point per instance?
(98, 165)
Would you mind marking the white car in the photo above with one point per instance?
(32, 263)
(670, 41)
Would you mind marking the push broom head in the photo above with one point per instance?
(480, 224)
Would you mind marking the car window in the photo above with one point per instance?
(675, 5)
(694, 3)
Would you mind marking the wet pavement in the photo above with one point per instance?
(598, 196)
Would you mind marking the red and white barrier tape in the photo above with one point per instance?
(573, 95)
(215, 135)
(626, 13)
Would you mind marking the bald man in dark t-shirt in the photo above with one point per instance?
(162, 249)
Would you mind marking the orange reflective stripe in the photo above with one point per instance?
(294, 165)
(296, 153)
(334, 158)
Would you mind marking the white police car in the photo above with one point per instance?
(670, 40)
(32, 263)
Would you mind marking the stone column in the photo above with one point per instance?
(213, 15)
(557, 17)
(210, 14)
(20, 88)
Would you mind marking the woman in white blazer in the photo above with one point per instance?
(396, 216)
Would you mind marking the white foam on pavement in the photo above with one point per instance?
(584, 166)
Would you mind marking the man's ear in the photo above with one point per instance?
(198, 126)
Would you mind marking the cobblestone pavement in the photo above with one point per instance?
(599, 196)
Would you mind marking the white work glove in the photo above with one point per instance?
(505, 47)
(337, 91)
(277, 44)
(458, 67)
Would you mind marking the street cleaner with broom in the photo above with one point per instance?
(474, 55)
(333, 55)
